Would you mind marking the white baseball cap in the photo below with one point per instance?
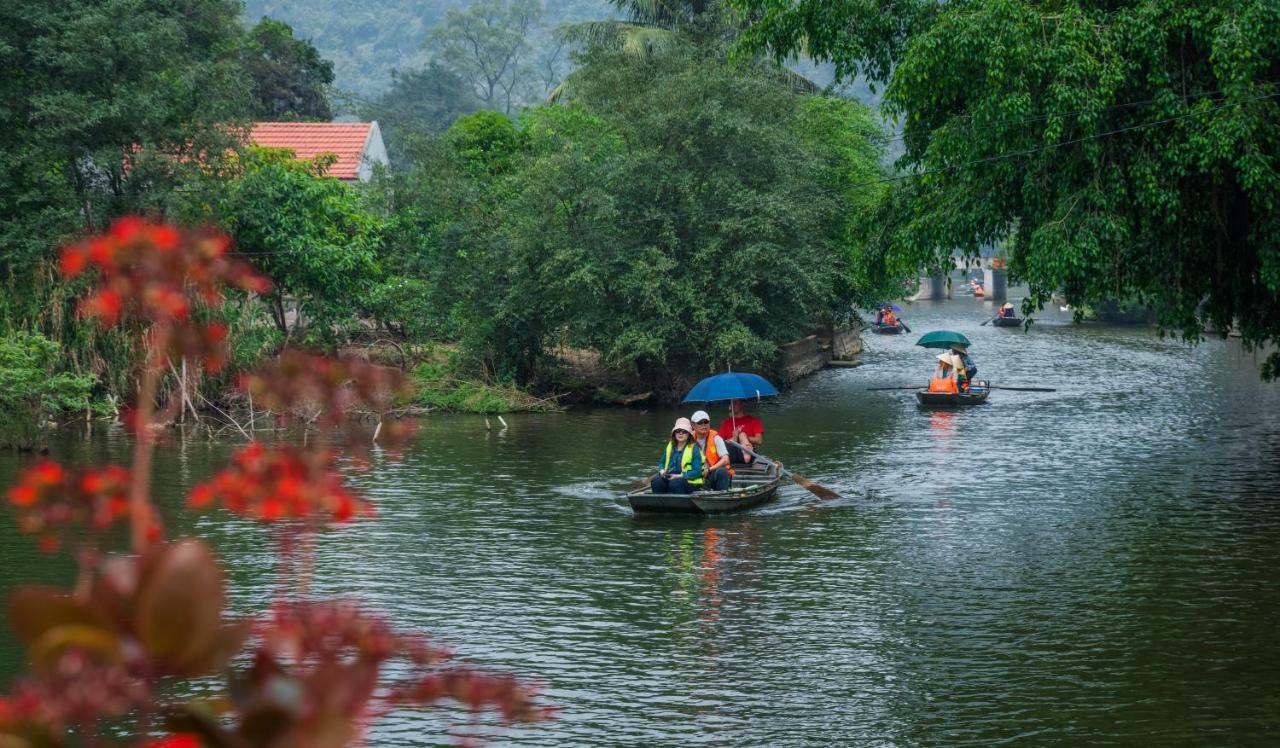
(700, 415)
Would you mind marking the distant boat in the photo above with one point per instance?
(1006, 322)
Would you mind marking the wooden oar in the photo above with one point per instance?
(822, 492)
(984, 324)
(1021, 389)
(908, 387)
(640, 484)
(904, 325)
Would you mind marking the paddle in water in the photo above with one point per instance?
(822, 492)
(1021, 389)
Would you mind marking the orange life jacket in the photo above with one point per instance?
(943, 384)
(710, 455)
(889, 320)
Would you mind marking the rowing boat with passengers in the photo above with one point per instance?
(894, 329)
(975, 395)
(753, 485)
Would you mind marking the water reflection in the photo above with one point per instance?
(1092, 565)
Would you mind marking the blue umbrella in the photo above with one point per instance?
(731, 385)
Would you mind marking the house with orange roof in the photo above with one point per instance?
(357, 145)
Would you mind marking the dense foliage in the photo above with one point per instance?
(33, 391)
(1125, 151)
(310, 234)
(289, 76)
(419, 102)
(679, 215)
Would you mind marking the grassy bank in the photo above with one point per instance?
(439, 386)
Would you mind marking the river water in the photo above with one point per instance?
(1096, 565)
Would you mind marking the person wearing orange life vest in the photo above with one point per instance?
(889, 319)
(949, 376)
(716, 473)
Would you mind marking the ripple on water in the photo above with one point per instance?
(1087, 566)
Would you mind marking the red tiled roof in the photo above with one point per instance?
(310, 139)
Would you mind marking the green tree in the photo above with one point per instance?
(420, 102)
(289, 76)
(107, 107)
(680, 215)
(32, 390)
(487, 45)
(1124, 151)
(655, 27)
(310, 234)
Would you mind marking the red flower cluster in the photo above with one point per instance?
(333, 652)
(155, 273)
(281, 482)
(50, 500)
(477, 691)
(302, 382)
(77, 689)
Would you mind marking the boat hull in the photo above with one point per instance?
(887, 329)
(751, 487)
(1006, 322)
(975, 396)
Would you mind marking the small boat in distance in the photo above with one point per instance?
(1006, 322)
(753, 485)
(894, 329)
(976, 395)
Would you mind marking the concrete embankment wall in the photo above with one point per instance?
(800, 358)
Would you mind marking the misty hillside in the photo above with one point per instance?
(367, 39)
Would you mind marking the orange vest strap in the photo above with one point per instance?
(710, 454)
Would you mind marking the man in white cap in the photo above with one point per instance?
(715, 455)
(1006, 310)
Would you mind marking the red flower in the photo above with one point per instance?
(51, 502)
(181, 740)
(278, 482)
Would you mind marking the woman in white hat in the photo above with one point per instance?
(1006, 310)
(680, 470)
(947, 378)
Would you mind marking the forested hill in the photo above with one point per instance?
(367, 39)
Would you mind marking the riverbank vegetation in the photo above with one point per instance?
(668, 199)
(1124, 151)
(671, 212)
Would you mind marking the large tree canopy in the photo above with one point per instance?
(1124, 150)
(290, 78)
(679, 215)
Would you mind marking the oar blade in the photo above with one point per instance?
(642, 483)
(821, 492)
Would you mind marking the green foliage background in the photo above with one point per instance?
(1125, 151)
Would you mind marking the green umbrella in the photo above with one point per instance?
(942, 339)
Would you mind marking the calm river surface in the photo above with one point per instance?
(1097, 565)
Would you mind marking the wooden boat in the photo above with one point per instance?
(887, 329)
(1006, 322)
(753, 485)
(976, 395)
